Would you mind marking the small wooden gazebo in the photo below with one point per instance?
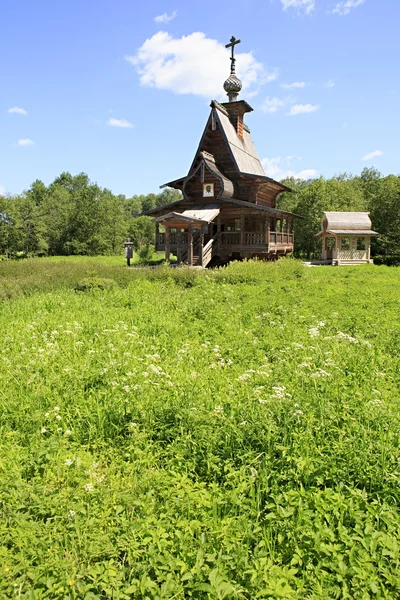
(346, 238)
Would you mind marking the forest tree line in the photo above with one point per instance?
(75, 216)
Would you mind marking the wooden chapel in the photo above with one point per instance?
(228, 210)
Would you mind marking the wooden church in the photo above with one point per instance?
(228, 210)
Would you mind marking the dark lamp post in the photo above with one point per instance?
(128, 251)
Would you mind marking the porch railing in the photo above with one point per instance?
(275, 237)
(231, 238)
(208, 251)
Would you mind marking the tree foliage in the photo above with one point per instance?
(75, 216)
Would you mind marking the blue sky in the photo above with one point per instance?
(121, 89)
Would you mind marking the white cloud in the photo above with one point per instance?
(16, 110)
(343, 8)
(119, 123)
(165, 18)
(330, 84)
(295, 84)
(372, 155)
(302, 109)
(193, 64)
(2, 190)
(25, 142)
(272, 105)
(278, 168)
(301, 6)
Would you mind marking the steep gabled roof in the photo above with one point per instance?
(243, 153)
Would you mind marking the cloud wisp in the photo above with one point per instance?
(329, 84)
(194, 64)
(122, 123)
(302, 109)
(300, 6)
(17, 110)
(294, 85)
(25, 142)
(166, 18)
(275, 104)
(343, 8)
(279, 168)
(372, 155)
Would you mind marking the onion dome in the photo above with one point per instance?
(232, 86)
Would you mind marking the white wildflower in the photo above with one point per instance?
(68, 432)
(71, 514)
(56, 409)
(43, 430)
(345, 336)
(58, 417)
(69, 462)
(88, 487)
(313, 332)
(243, 377)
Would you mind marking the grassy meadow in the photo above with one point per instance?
(199, 434)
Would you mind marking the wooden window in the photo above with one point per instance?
(345, 243)
(361, 245)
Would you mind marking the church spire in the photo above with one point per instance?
(232, 85)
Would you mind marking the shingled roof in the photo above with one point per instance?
(242, 149)
(351, 223)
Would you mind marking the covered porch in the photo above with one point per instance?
(195, 236)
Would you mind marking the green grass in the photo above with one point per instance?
(208, 435)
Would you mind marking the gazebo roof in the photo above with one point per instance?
(347, 223)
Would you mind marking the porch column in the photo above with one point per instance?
(219, 236)
(157, 234)
(190, 245)
(324, 252)
(268, 232)
(178, 246)
(368, 247)
(167, 242)
(242, 236)
(201, 245)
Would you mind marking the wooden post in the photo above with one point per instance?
(201, 244)
(157, 235)
(368, 247)
(242, 222)
(167, 242)
(190, 244)
(268, 232)
(178, 246)
(219, 236)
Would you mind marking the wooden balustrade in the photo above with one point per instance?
(227, 238)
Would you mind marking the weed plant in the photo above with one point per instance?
(207, 435)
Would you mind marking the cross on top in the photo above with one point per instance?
(232, 44)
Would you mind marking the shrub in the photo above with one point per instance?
(391, 260)
(95, 283)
